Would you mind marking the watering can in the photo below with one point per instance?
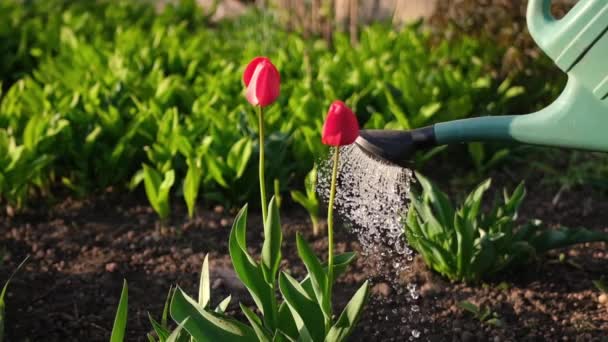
(577, 119)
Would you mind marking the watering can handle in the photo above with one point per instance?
(540, 22)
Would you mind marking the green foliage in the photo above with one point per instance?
(484, 315)
(3, 294)
(467, 244)
(96, 89)
(120, 320)
(157, 189)
(571, 169)
(309, 200)
(601, 285)
(305, 312)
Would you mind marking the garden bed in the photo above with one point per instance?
(82, 249)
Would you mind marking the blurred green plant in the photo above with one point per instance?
(601, 285)
(3, 295)
(309, 200)
(568, 170)
(466, 244)
(94, 90)
(482, 314)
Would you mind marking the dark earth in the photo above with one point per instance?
(82, 249)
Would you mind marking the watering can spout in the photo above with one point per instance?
(577, 120)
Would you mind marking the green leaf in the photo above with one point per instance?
(468, 306)
(483, 258)
(205, 325)
(556, 238)
(177, 333)
(157, 189)
(465, 237)
(215, 171)
(302, 200)
(249, 272)
(3, 294)
(120, 321)
(306, 312)
(601, 285)
(191, 185)
(496, 158)
(262, 334)
(317, 274)
(239, 156)
(161, 332)
(477, 153)
(165, 316)
(350, 315)
(341, 262)
(286, 321)
(221, 307)
(271, 248)
(438, 199)
(204, 288)
(474, 199)
(152, 181)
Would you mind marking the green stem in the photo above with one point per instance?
(315, 225)
(330, 224)
(262, 178)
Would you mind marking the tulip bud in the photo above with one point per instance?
(341, 126)
(263, 82)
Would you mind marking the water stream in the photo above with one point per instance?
(371, 201)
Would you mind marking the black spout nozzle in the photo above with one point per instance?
(394, 146)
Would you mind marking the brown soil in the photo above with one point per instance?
(81, 250)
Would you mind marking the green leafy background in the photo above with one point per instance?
(116, 93)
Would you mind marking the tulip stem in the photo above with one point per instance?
(261, 173)
(330, 223)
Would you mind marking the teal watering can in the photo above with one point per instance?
(577, 119)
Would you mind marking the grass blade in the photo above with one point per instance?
(120, 321)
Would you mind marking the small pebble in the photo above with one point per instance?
(603, 298)
(382, 289)
(217, 283)
(111, 267)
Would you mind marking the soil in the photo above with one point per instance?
(82, 249)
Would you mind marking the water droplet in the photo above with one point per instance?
(415, 333)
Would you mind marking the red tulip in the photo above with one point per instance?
(341, 126)
(263, 82)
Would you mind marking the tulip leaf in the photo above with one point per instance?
(221, 307)
(261, 332)
(305, 310)
(206, 325)
(271, 248)
(120, 321)
(350, 315)
(204, 289)
(249, 272)
(317, 274)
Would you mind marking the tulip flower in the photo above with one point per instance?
(341, 126)
(263, 82)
